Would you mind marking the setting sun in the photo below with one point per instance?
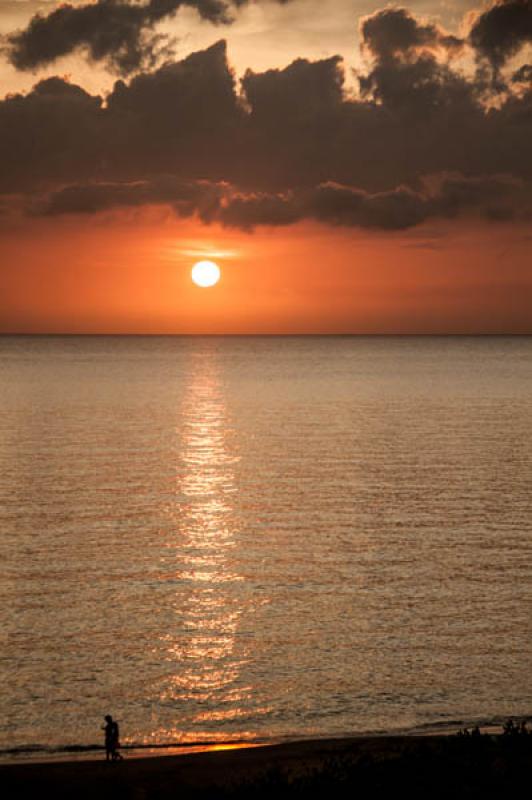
(205, 273)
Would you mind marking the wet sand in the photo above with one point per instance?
(432, 766)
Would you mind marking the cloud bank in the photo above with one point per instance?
(422, 139)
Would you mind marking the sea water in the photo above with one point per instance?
(220, 538)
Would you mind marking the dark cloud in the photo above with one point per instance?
(110, 30)
(419, 88)
(395, 32)
(186, 117)
(292, 113)
(493, 197)
(397, 209)
(52, 134)
(119, 32)
(247, 212)
(406, 74)
(502, 30)
(287, 144)
(201, 198)
(159, 123)
(304, 89)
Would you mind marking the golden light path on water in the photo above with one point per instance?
(207, 664)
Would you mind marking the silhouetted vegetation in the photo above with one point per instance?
(471, 765)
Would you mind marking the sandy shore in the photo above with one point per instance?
(435, 766)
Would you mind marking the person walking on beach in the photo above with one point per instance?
(112, 739)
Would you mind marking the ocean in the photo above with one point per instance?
(259, 538)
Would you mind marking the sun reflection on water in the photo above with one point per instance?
(205, 680)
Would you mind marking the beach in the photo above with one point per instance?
(423, 766)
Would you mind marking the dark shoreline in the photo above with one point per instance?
(37, 753)
(40, 753)
(424, 766)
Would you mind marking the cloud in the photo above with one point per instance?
(248, 212)
(419, 88)
(443, 196)
(502, 30)
(283, 145)
(54, 133)
(397, 209)
(185, 198)
(493, 197)
(118, 32)
(406, 73)
(111, 30)
(395, 33)
(185, 116)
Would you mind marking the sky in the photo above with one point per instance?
(353, 167)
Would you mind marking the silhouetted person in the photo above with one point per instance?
(112, 739)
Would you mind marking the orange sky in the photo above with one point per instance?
(381, 154)
(130, 273)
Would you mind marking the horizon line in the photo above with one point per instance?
(264, 335)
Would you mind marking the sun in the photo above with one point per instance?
(205, 273)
